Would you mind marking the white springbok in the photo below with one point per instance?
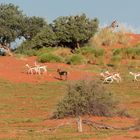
(110, 77)
(32, 70)
(44, 68)
(116, 76)
(107, 78)
(135, 75)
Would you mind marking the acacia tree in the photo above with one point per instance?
(14, 24)
(73, 31)
(86, 97)
(45, 38)
(10, 23)
(32, 26)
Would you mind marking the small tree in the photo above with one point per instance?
(74, 31)
(32, 26)
(86, 97)
(11, 19)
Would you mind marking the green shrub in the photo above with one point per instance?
(63, 52)
(28, 52)
(116, 58)
(86, 97)
(132, 52)
(88, 51)
(49, 57)
(99, 52)
(45, 50)
(75, 59)
(117, 51)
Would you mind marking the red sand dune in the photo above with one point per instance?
(14, 70)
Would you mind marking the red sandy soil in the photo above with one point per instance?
(14, 70)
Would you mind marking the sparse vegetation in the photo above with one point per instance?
(26, 109)
(75, 59)
(106, 37)
(128, 53)
(49, 57)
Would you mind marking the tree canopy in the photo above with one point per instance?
(14, 24)
(45, 38)
(32, 26)
(10, 23)
(69, 31)
(74, 30)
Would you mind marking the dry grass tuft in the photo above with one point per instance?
(107, 37)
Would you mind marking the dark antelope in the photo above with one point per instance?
(62, 73)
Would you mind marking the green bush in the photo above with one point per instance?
(116, 58)
(132, 52)
(75, 59)
(49, 57)
(86, 97)
(88, 51)
(117, 51)
(28, 52)
(47, 50)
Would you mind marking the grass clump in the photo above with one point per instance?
(116, 58)
(132, 53)
(76, 59)
(91, 54)
(107, 37)
(49, 57)
(128, 53)
(88, 51)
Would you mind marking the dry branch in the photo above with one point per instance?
(105, 126)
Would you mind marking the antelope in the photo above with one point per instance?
(44, 68)
(62, 73)
(109, 78)
(135, 75)
(31, 70)
(117, 76)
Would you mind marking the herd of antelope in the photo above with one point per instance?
(36, 69)
(110, 77)
(107, 76)
(39, 69)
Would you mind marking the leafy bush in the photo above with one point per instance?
(116, 58)
(117, 51)
(75, 59)
(132, 52)
(86, 97)
(26, 51)
(49, 57)
(63, 52)
(88, 51)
